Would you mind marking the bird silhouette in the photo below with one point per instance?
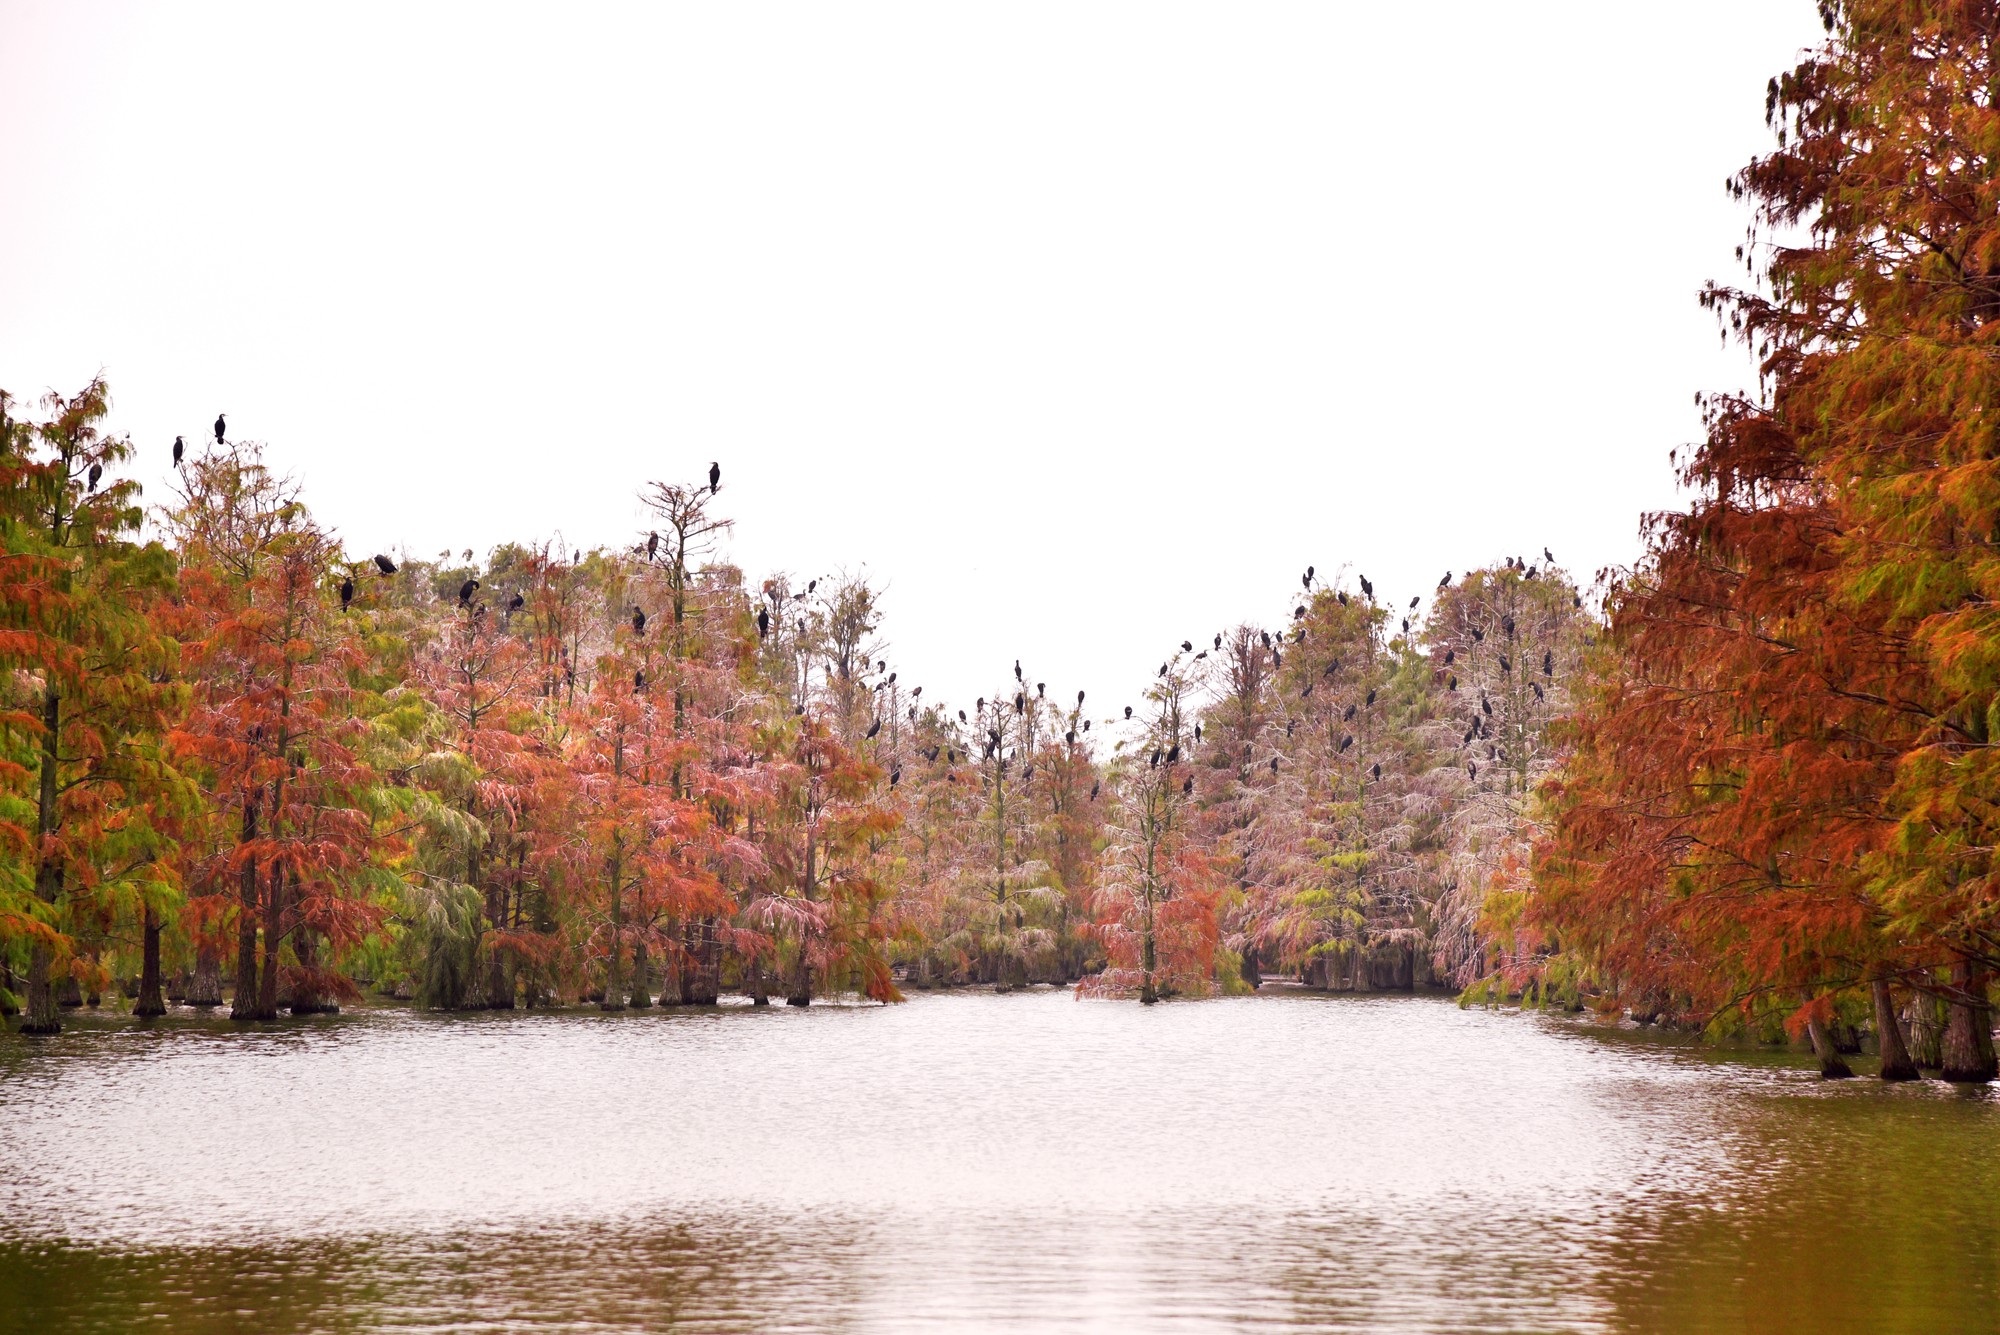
(1343, 598)
(1548, 556)
(1485, 706)
(1367, 589)
(385, 565)
(1452, 685)
(638, 681)
(1174, 753)
(1128, 711)
(1349, 715)
(219, 427)
(1472, 769)
(1017, 669)
(1187, 787)
(1507, 624)
(961, 716)
(346, 591)
(1218, 641)
(1274, 764)
(1070, 737)
(1020, 704)
(652, 545)
(1375, 772)
(714, 477)
(895, 776)
(1371, 698)
(874, 727)
(96, 472)
(763, 623)
(811, 585)
(1093, 791)
(180, 446)
(466, 590)
(1445, 583)
(1478, 635)
(1197, 732)
(1346, 741)
(1041, 688)
(1308, 690)
(1505, 666)
(1079, 697)
(638, 621)
(1163, 669)
(516, 603)
(1548, 663)
(1267, 638)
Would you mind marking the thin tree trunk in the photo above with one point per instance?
(8, 985)
(705, 967)
(1968, 1029)
(499, 987)
(42, 1016)
(1896, 1063)
(274, 938)
(244, 1002)
(150, 1002)
(1831, 1067)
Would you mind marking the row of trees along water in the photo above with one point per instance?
(240, 762)
(1761, 796)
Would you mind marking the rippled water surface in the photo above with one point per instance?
(976, 1162)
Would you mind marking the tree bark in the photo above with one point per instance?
(274, 938)
(1896, 1063)
(244, 1003)
(802, 978)
(1968, 1029)
(205, 987)
(499, 987)
(642, 982)
(42, 1016)
(149, 1001)
(760, 994)
(1923, 1020)
(1831, 1067)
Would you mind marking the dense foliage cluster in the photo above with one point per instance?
(1781, 805)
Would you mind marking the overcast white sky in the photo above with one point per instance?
(1083, 327)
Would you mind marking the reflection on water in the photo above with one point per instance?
(978, 1163)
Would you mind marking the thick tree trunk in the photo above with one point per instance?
(244, 1002)
(150, 1001)
(642, 981)
(801, 993)
(205, 986)
(1896, 1063)
(1831, 1067)
(307, 998)
(1968, 1029)
(1923, 1023)
(755, 983)
(704, 969)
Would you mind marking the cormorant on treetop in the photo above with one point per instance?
(385, 565)
(714, 477)
(638, 621)
(346, 591)
(466, 590)
(179, 446)
(218, 428)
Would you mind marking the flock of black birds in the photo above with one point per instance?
(385, 567)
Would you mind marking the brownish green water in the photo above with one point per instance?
(975, 1163)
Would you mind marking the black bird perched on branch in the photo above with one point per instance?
(1375, 772)
(1308, 690)
(1478, 635)
(96, 472)
(1343, 598)
(1485, 706)
(1154, 763)
(1187, 786)
(1163, 669)
(1505, 666)
(1346, 741)
(1507, 624)
(1308, 580)
(1371, 698)
(1079, 697)
(811, 585)
(1548, 556)
(638, 681)
(1093, 790)
(219, 427)
(1086, 725)
(1174, 753)
(1041, 688)
(1128, 711)
(466, 590)
(1187, 646)
(346, 591)
(961, 716)
(1020, 703)
(895, 776)
(1349, 715)
(1538, 690)
(1472, 769)
(1548, 662)
(516, 603)
(179, 447)
(1017, 669)
(714, 477)
(638, 621)
(1406, 625)
(1274, 764)
(652, 545)
(1197, 732)
(875, 727)
(1445, 583)
(1450, 657)
(1298, 611)
(1070, 737)
(1267, 638)
(1576, 601)
(763, 623)
(1367, 589)
(1452, 685)
(1218, 641)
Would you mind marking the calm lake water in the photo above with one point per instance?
(977, 1162)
